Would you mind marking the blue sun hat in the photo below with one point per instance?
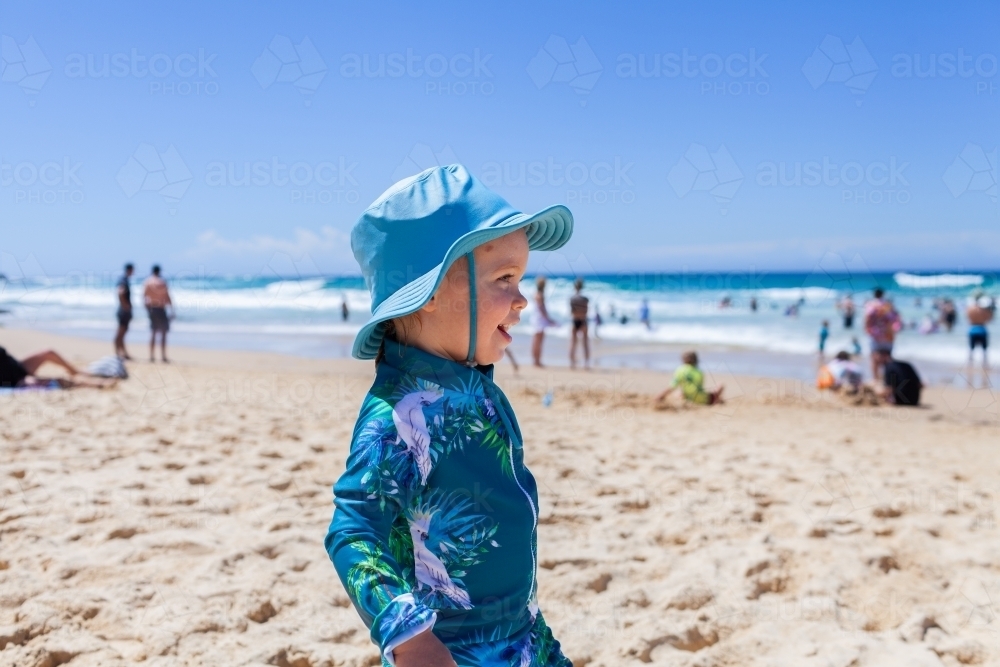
(410, 236)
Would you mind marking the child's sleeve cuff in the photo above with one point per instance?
(401, 620)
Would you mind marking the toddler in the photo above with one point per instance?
(434, 533)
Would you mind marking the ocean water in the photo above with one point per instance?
(303, 316)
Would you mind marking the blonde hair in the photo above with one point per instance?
(397, 329)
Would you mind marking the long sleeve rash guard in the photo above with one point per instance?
(436, 515)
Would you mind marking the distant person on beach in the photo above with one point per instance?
(24, 373)
(156, 296)
(691, 381)
(344, 312)
(881, 324)
(541, 322)
(513, 361)
(753, 304)
(124, 311)
(841, 372)
(949, 314)
(644, 313)
(900, 383)
(980, 313)
(824, 333)
(578, 307)
(597, 322)
(846, 308)
(855, 346)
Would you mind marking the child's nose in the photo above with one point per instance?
(519, 301)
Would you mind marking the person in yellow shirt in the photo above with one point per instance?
(691, 381)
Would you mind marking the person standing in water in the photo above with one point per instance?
(541, 321)
(980, 313)
(824, 333)
(157, 299)
(124, 311)
(846, 308)
(644, 314)
(578, 307)
(881, 324)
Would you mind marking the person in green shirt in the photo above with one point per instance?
(691, 381)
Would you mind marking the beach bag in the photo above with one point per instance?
(902, 379)
(108, 367)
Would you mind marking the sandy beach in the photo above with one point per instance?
(178, 518)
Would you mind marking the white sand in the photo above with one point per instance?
(179, 518)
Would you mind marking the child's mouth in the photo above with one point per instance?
(502, 328)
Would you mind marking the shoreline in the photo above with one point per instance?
(607, 354)
(611, 388)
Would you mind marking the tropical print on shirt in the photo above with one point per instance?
(436, 515)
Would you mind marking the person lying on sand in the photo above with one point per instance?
(691, 381)
(23, 373)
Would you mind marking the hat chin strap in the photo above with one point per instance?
(470, 360)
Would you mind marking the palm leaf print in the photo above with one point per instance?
(371, 572)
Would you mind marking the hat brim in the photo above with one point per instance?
(548, 229)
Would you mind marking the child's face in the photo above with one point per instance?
(444, 321)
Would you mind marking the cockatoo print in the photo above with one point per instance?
(429, 569)
(411, 426)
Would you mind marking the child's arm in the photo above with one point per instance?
(666, 392)
(361, 542)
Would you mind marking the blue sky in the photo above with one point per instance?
(647, 119)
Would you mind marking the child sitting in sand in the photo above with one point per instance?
(691, 381)
(841, 372)
(439, 572)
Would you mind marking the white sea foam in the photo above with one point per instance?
(938, 281)
(682, 313)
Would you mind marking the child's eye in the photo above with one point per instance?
(507, 277)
